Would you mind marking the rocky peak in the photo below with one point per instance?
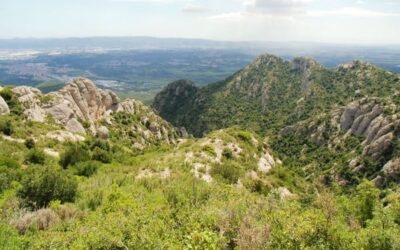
(266, 60)
(304, 64)
(356, 64)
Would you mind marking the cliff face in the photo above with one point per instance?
(83, 108)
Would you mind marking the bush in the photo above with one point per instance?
(6, 127)
(244, 136)
(209, 149)
(36, 156)
(10, 171)
(101, 155)
(41, 219)
(30, 143)
(86, 168)
(227, 153)
(41, 185)
(9, 238)
(73, 154)
(229, 172)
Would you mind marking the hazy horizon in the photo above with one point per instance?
(339, 22)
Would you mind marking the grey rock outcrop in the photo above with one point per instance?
(103, 132)
(83, 108)
(3, 106)
(392, 170)
(366, 118)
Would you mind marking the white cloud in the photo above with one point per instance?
(277, 7)
(230, 16)
(194, 8)
(351, 12)
(146, 1)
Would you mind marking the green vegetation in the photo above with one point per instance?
(273, 178)
(43, 184)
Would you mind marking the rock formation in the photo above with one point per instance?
(3, 106)
(80, 105)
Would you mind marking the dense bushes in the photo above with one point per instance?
(228, 172)
(10, 171)
(43, 184)
(6, 126)
(35, 156)
(73, 154)
(95, 149)
(86, 168)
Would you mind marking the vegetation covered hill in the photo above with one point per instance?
(336, 123)
(79, 169)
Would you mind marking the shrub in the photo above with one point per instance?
(101, 155)
(9, 171)
(244, 136)
(6, 127)
(227, 153)
(9, 238)
(41, 185)
(35, 156)
(86, 168)
(209, 149)
(41, 219)
(228, 172)
(30, 143)
(73, 154)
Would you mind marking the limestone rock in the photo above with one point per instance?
(102, 132)
(266, 162)
(63, 135)
(74, 126)
(392, 170)
(3, 106)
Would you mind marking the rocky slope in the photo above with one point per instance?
(320, 107)
(81, 108)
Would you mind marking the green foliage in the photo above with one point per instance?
(73, 154)
(209, 149)
(10, 171)
(228, 172)
(35, 156)
(202, 240)
(87, 168)
(227, 153)
(30, 143)
(101, 155)
(9, 238)
(368, 196)
(244, 135)
(6, 126)
(43, 184)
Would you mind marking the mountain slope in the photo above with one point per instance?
(300, 104)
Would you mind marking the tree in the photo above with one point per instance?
(43, 184)
(368, 196)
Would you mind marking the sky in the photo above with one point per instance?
(328, 21)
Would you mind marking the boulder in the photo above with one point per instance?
(103, 132)
(392, 170)
(3, 107)
(74, 126)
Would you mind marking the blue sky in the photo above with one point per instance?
(337, 21)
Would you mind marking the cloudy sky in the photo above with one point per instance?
(335, 21)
